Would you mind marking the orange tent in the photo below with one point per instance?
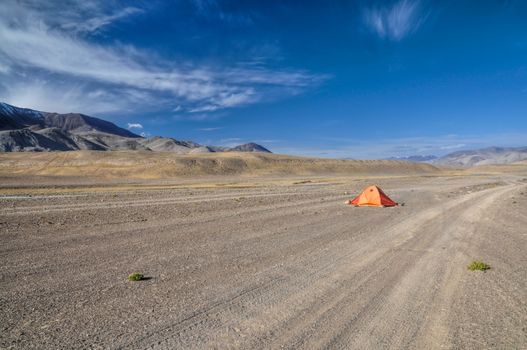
(372, 196)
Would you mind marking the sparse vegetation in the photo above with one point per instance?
(136, 276)
(478, 265)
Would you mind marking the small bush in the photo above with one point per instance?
(136, 276)
(478, 265)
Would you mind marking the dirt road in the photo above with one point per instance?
(274, 266)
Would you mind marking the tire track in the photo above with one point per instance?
(407, 243)
(144, 202)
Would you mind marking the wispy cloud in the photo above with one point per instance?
(77, 16)
(134, 126)
(396, 21)
(100, 21)
(37, 47)
(67, 96)
(210, 129)
(199, 117)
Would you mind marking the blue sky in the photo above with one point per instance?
(357, 79)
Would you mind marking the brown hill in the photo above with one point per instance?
(164, 165)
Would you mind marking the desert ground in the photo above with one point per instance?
(252, 255)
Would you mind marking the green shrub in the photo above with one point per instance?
(478, 265)
(136, 276)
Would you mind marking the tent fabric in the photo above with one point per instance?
(372, 196)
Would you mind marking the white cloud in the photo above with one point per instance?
(226, 100)
(78, 16)
(95, 24)
(204, 108)
(134, 126)
(40, 43)
(67, 96)
(397, 21)
(210, 129)
(199, 117)
(60, 97)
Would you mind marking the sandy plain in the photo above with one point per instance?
(261, 259)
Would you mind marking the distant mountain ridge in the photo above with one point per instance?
(23, 130)
(469, 158)
(250, 147)
(418, 159)
(75, 122)
(12, 117)
(484, 156)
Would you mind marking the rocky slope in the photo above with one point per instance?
(23, 130)
(485, 156)
(250, 147)
(469, 158)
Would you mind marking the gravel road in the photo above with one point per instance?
(277, 266)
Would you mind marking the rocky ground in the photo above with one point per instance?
(265, 263)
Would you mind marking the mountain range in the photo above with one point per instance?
(484, 156)
(469, 158)
(23, 129)
(417, 159)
